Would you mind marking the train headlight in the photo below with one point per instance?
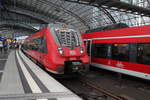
(81, 50)
(60, 50)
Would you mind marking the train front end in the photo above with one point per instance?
(70, 53)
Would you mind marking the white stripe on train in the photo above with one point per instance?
(124, 71)
(120, 37)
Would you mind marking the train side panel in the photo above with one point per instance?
(33, 53)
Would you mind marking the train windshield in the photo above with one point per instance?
(66, 35)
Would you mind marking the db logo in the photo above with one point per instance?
(72, 53)
(120, 65)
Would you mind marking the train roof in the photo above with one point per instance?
(140, 30)
(109, 27)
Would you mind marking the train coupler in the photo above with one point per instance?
(76, 66)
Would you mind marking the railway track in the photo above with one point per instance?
(100, 90)
(77, 85)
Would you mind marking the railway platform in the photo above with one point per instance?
(21, 79)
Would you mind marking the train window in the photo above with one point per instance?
(100, 50)
(43, 47)
(34, 44)
(37, 43)
(24, 46)
(143, 55)
(120, 51)
(132, 52)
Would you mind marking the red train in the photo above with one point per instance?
(125, 50)
(59, 48)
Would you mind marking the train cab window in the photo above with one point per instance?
(143, 54)
(100, 50)
(120, 51)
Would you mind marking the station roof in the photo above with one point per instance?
(83, 14)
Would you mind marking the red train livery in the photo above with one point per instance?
(125, 50)
(59, 48)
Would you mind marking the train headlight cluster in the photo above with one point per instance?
(60, 50)
(81, 50)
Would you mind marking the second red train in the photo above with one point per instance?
(124, 50)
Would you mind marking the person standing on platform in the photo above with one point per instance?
(5, 45)
(1, 46)
(8, 46)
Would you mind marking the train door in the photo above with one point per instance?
(109, 53)
(88, 45)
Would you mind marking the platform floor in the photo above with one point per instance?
(21, 79)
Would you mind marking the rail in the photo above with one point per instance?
(98, 89)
